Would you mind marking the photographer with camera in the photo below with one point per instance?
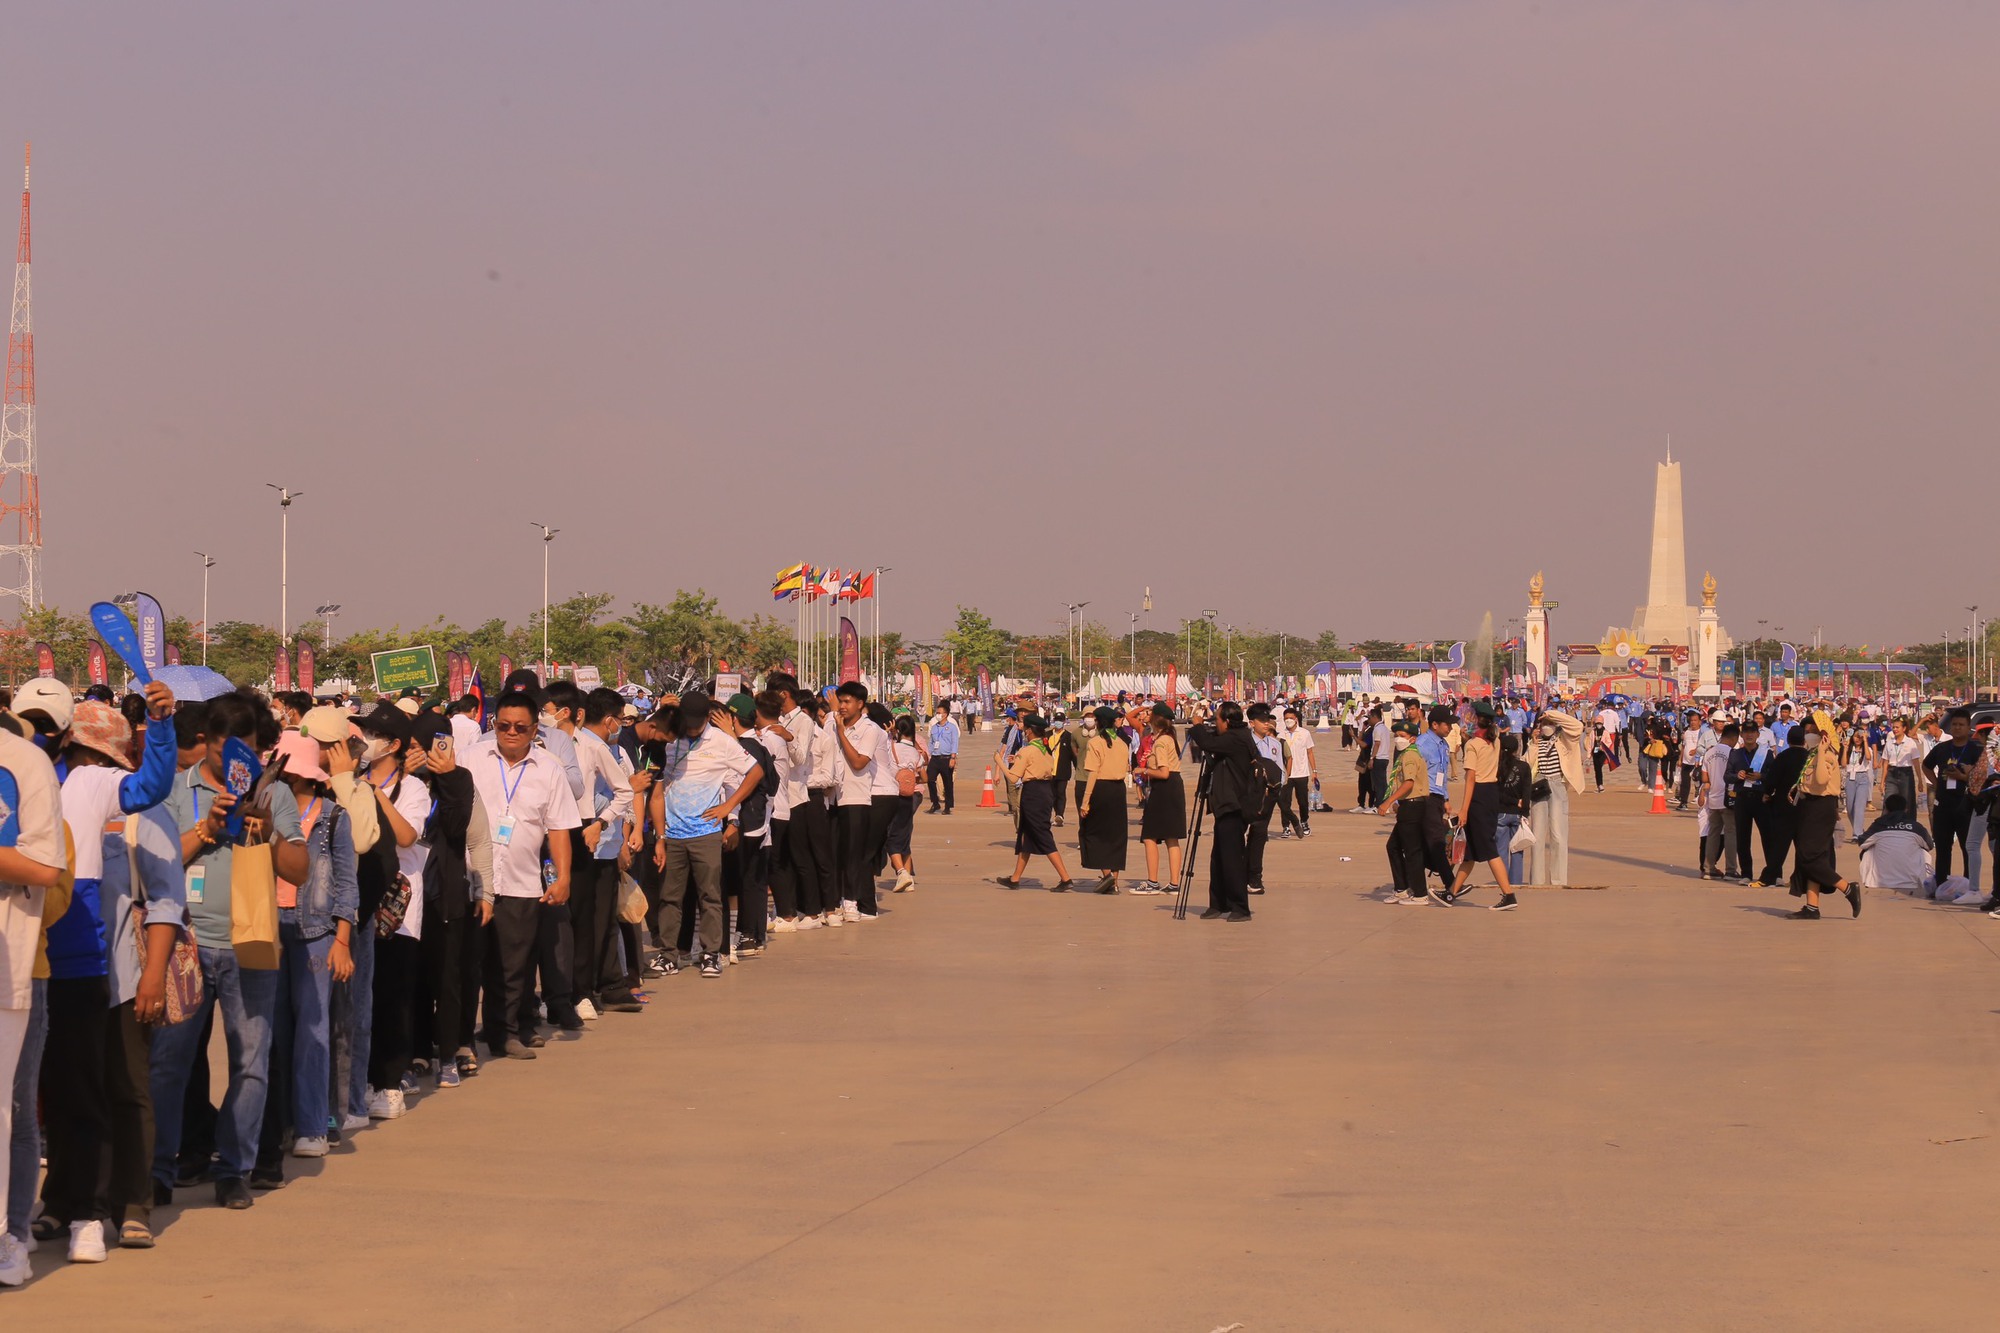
(1230, 785)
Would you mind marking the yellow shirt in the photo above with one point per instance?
(1107, 760)
(1032, 764)
(1165, 754)
(1482, 760)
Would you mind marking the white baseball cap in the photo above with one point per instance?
(51, 697)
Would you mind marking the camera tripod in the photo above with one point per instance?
(1193, 841)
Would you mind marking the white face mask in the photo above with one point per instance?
(1812, 740)
(1291, 724)
(374, 748)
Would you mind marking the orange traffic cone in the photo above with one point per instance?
(1659, 792)
(986, 801)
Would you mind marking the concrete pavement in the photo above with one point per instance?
(1658, 1105)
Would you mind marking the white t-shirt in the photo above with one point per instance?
(883, 770)
(1716, 765)
(1904, 753)
(1300, 739)
(908, 756)
(413, 803)
(1611, 720)
(857, 786)
(1382, 744)
(465, 733)
(524, 803)
(32, 825)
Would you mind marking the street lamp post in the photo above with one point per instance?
(207, 563)
(285, 497)
(548, 535)
(1135, 641)
(327, 613)
(1073, 640)
(1209, 614)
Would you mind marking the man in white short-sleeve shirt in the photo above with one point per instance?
(859, 745)
(526, 795)
(32, 858)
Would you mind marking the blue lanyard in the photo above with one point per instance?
(307, 816)
(507, 792)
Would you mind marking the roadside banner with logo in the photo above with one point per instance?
(100, 670)
(850, 651)
(173, 654)
(506, 669)
(283, 671)
(985, 692)
(45, 661)
(308, 662)
(151, 622)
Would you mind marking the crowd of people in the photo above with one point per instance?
(405, 891)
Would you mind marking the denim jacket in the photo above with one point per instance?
(330, 891)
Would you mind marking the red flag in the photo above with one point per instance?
(506, 669)
(283, 673)
(173, 654)
(867, 587)
(45, 660)
(1173, 684)
(308, 665)
(455, 669)
(99, 672)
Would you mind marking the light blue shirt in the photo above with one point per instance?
(944, 739)
(1437, 758)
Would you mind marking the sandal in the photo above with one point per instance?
(135, 1235)
(47, 1228)
(468, 1061)
(1006, 883)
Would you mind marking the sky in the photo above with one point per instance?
(1339, 316)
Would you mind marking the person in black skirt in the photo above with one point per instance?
(1102, 828)
(1034, 768)
(1165, 819)
(1479, 812)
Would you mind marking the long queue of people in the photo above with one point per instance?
(405, 889)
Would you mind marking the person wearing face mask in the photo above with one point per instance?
(1558, 763)
(1301, 769)
(1818, 820)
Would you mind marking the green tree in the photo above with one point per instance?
(975, 642)
(679, 635)
(244, 652)
(578, 631)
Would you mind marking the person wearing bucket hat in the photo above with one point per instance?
(93, 1079)
(316, 926)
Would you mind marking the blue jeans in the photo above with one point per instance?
(26, 1147)
(249, 999)
(1516, 861)
(302, 1025)
(353, 1008)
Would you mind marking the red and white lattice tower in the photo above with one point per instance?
(20, 484)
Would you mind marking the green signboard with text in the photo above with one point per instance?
(400, 669)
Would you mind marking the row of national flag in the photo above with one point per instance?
(803, 580)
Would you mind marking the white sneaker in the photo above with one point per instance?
(783, 925)
(585, 1009)
(905, 882)
(86, 1242)
(309, 1147)
(351, 1122)
(14, 1266)
(850, 912)
(386, 1104)
(809, 923)
(834, 918)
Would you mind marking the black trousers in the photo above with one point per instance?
(1951, 821)
(97, 1106)
(443, 952)
(784, 893)
(1777, 822)
(853, 841)
(746, 878)
(1228, 872)
(1297, 790)
(817, 873)
(555, 945)
(398, 959)
(471, 975)
(881, 813)
(1378, 782)
(1258, 836)
(1687, 784)
(593, 909)
(510, 968)
(939, 770)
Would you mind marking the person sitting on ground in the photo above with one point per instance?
(1897, 851)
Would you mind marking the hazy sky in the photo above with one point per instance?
(944, 286)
